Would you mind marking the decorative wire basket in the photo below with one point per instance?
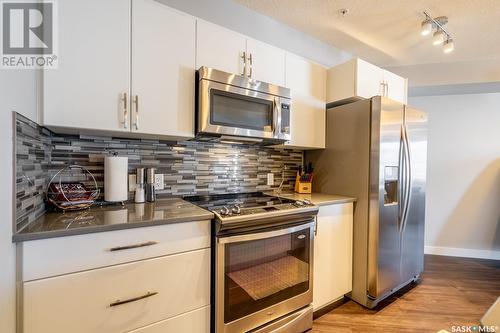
(68, 196)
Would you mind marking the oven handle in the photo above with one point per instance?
(262, 235)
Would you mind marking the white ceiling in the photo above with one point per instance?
(387, 32)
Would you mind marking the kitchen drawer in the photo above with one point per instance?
(197, 321)
(56, 256)
(81, 302)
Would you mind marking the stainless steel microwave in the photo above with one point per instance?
(235, 108)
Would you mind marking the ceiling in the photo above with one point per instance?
(387, 32)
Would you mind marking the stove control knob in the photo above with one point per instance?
(307, 202)
(224, 211)
(236, 209)
(299, 203)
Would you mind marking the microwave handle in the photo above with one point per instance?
(275, 117)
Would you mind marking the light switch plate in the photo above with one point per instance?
(159, 181)
(132, 182)
(270, 179)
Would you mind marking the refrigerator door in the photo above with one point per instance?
(412, 227)
(384, 252)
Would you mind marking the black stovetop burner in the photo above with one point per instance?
(243, 200)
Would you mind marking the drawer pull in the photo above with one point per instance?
(118, 302)
(128, 247)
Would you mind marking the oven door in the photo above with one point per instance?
(228, 110)
(262, 276)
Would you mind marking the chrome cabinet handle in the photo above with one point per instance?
(386, 89)
(134, 246)
(316, 226)
(136, 102)
(244, 57)
(125, 110)
(130, 300)
(250, 59)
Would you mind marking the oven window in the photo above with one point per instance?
(240, 111)
(264, 272)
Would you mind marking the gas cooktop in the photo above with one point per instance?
(237, 207)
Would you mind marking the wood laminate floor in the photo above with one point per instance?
(453, 291)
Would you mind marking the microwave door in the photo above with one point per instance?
(229, 110)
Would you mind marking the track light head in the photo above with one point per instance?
(448, 46)
(438, 37)
(426, 27)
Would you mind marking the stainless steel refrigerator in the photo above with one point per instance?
(376, 151)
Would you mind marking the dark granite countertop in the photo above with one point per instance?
(112, 217)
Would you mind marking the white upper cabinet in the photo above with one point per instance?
(219, 48)
(163, 61)
(93, 88)
(357, 79)
(265, 62)
(228, 51)
(307, 82)
(396, 87)
(88, 88)
(369, 79)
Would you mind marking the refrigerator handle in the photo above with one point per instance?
(407, 177)
(401, 182)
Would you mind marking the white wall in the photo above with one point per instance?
(239, 18)
(463, 174)
(17, 92)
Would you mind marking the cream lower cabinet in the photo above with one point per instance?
(307, 82)
(162, 287)
(358, 79)
(332, 254)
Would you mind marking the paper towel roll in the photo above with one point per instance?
(115, 178)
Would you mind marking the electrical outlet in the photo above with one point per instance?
(132, 182)
(159, 182)
(270, 179)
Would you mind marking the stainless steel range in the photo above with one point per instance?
(262, 248)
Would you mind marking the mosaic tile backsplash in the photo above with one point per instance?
(189, 167)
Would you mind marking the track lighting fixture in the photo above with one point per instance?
(440, 36)
(426, 27)
(448, 46)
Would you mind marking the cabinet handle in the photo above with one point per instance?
(244, 57)
(125, 110)
(250, 59)
(138, 298)
(386, 89)
(136, 102)
(315, 226)
(134, 246)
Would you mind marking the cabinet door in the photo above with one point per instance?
(369, 79)
(265, 63)
(197, 321)
(396, 87)
(307, 82)
(332, 254)
(94, 67)
(118, 298)
(163, 75)
(219, 48)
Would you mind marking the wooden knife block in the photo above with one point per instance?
(301, 186)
